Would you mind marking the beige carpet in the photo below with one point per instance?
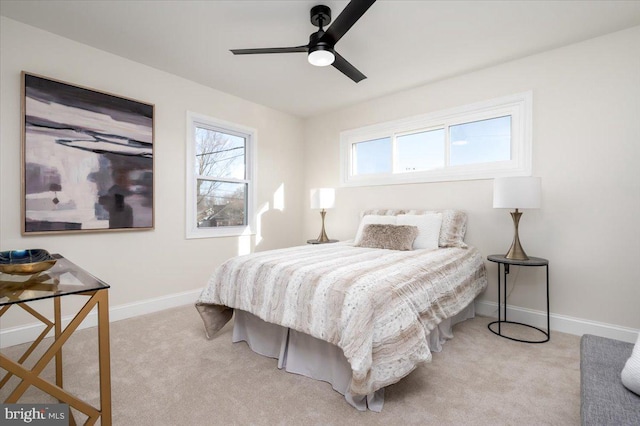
(165, 372)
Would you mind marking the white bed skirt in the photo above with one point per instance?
(302, 354)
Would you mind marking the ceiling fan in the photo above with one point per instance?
(321, 43)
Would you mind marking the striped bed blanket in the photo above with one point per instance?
(377, 305)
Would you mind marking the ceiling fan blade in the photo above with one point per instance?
(349, 16)
(342, 65)
(270, 50)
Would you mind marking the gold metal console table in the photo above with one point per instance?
(63, 279)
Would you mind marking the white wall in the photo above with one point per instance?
(586, 149)
(145, 264)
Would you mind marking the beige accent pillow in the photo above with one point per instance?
(371, 219)
(390, 237)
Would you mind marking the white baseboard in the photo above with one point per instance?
(561, 323)
(28, 333)
(565, 324)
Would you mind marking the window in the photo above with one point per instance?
(219, 178)
(484, 141)
(478, 141)
(372, 157)
(420, 151)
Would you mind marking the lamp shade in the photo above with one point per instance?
(517, 193)
(323, 198)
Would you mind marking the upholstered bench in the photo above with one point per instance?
(603, 398)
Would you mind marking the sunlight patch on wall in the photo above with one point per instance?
(262, 210)
(244, 244)
(278, 198)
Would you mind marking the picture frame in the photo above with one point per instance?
(87, 159)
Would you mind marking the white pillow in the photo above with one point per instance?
(373, 219)
(631, 371)
(428, 228)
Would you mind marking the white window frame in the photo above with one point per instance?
(518, 106)
(250, 135)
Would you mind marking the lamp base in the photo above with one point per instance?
(516, 252)
(321, 242)
(322, 238)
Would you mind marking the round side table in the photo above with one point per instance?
(504, 263)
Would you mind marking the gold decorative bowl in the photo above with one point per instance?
(25, 262)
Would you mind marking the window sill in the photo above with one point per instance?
(239, 231)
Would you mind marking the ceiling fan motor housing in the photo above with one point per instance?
(315, 42)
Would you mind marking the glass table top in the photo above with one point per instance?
(61, 279)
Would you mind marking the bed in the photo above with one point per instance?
(354, 314)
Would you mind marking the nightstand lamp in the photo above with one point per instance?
(516, 193)
(322, 198)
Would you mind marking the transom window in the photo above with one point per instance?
(483, 140)
(220, 178)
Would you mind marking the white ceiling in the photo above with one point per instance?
(396, 44)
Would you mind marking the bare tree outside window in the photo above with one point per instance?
(221, 188)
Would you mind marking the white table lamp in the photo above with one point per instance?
(323, 198)
(516, 193)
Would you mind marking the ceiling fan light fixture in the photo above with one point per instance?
(321, 57)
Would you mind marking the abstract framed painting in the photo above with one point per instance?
(87, 159)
